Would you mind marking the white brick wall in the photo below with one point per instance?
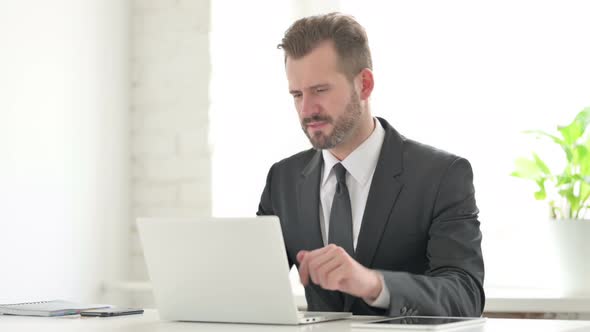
(170, 69)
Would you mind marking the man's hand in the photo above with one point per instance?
(332, 268)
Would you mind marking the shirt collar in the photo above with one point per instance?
(362, 161)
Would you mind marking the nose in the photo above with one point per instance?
(307, 106)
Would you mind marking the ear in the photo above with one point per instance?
(366, 83)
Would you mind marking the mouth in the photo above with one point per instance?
(316, 124)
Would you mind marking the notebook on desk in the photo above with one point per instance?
(222, 270)
(47, 308)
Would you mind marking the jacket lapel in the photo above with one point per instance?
(385, 188)
(308, 192)
(383, 194)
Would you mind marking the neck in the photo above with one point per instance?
(360, 134)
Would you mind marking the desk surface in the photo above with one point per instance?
(497, 299)
(149, 322)
(535, 300)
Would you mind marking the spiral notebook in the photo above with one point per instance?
(47, 308)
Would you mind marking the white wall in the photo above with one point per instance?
(63, 148)
(171, 164)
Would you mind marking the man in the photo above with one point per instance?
(376, 223)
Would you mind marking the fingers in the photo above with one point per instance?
(301, 254)
(332, 268)
(313, 253)
(324, 274)
(303, 268)
(304, 257)
(335, 279)
(317, 264)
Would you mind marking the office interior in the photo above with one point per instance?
(112, 110)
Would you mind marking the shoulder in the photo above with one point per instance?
(300, 158)
(294, 164)
(423, 162)
(416, 152)
(413, 154)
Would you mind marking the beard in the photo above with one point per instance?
(344, 125)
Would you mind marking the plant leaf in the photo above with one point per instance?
(541, 164)
(527, 169)
(572, 132)
(563, 179)
(564, 145)
(580, 154)
(540, 133)
(541, 194)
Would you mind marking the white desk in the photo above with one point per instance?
(498, 300)
(149, 322)
(533, 300)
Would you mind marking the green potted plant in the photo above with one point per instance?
(572, 184)
(567, 192)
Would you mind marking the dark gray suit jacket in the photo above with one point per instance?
(419, 228)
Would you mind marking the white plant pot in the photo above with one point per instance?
(572, 244)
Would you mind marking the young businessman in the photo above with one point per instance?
(376, 223)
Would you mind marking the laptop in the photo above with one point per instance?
(222, 270)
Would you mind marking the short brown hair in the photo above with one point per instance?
(348, 36)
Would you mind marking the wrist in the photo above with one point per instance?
(376, 286)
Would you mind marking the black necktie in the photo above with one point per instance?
(340, 232)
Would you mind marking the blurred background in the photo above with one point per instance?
(112, 110)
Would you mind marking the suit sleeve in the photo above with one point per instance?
(265, 207)
(453, 283)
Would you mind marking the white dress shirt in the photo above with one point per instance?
(360, 167)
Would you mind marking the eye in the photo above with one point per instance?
(296, 95)
(320, 90)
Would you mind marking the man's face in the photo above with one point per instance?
(327, 103)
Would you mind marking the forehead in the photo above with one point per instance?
(318, 66)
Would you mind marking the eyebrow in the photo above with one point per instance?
(315, 86)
